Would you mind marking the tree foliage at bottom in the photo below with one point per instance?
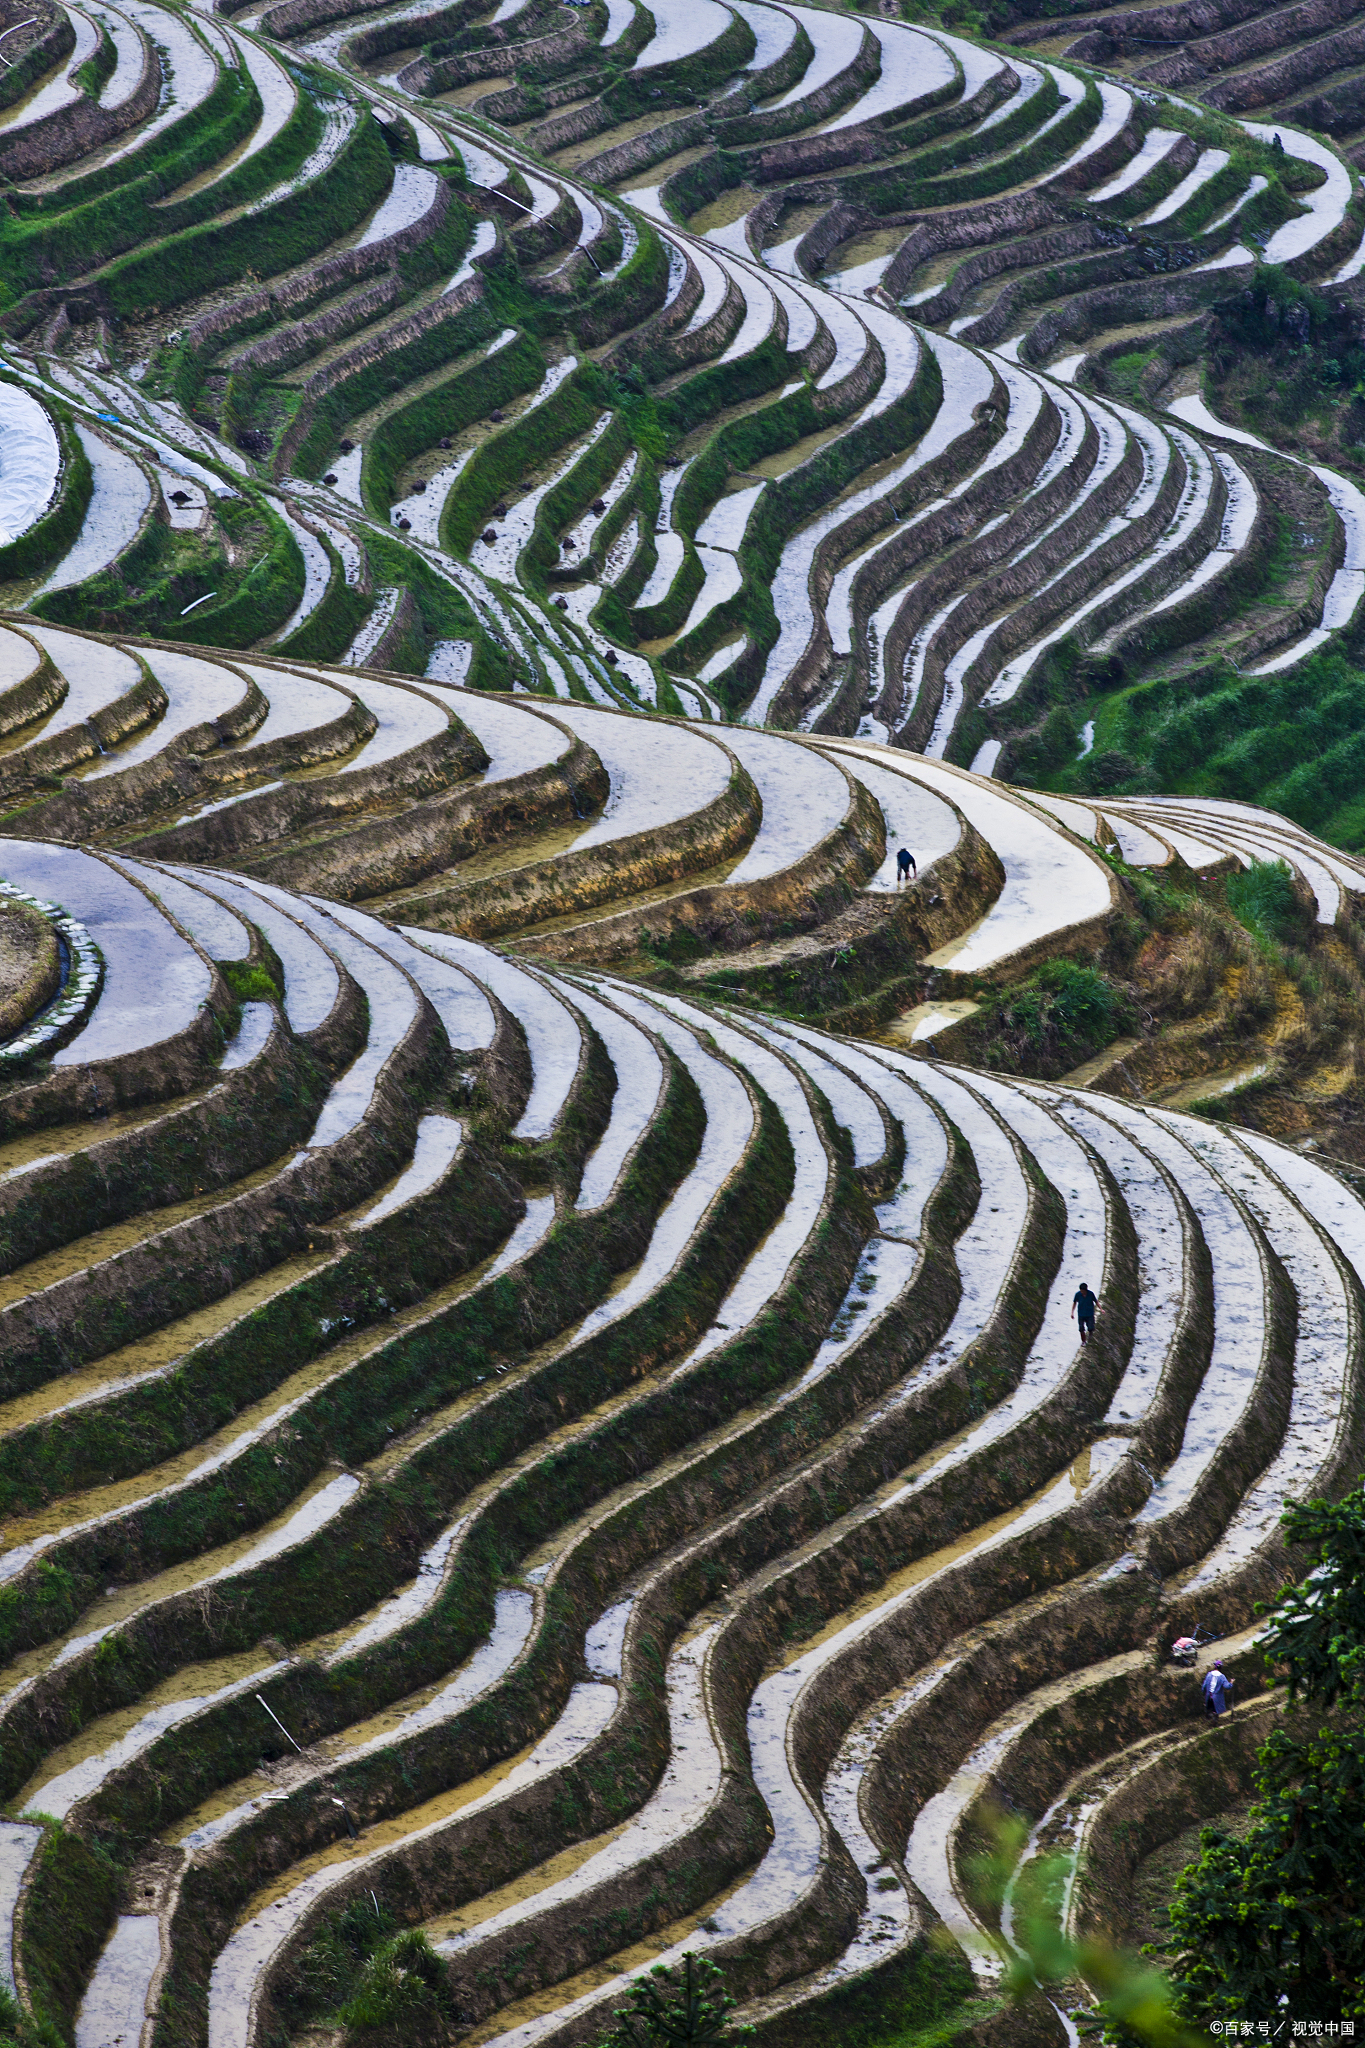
(1272, 1927)
(687, 2004)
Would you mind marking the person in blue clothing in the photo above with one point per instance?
(1217, 1691)
(1083, 1309)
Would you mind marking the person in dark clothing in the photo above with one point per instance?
(905, 865)
(1083, 1309)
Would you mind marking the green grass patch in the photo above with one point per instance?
(629, 297)
(334, 622)
(498, 465)
(468, 394)
(160, 567)
(149, 588)
(19, 2029)
(99, 67)
(1123, 374)
(403, 1995)
(445, 612)
(916, 2002)
(267, 595)
(963, 17)
(249, 981)
(72, 1899)
(68, 234)
(329, 1972)
(1061, 1015)
(1262, 898)
(296, 227)
(372, 382)
(633, 93)
(1346, 825)
(1293, 742)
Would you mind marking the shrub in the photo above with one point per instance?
(248, 981)
(687, 2004)
(1077, 1002)
(403, 1994)
(1108, 771)
(330, 1969)
(1262, 898)
(1062, 1014)
(1052, 747)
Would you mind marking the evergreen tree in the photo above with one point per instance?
(1272, 1927)
(684, 2005)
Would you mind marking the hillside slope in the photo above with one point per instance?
(592, 1473)
(540, 1396)
(770, 364)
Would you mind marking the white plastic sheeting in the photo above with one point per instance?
(30, 461)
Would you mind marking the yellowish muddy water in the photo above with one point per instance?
(123, 1237)
(731, 206)
(637, 1957)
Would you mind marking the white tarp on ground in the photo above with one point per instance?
(30, 461)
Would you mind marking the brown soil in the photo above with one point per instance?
(1154, 1879)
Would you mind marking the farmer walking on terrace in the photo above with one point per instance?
(1083, 1309)
(905, 865)
(1217, 1691)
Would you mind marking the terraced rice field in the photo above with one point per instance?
(538, 1394)
(739, 364)
(592, 1469)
